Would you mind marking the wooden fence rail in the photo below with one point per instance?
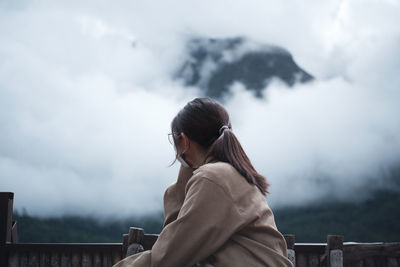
(333, 253)
(58, 254)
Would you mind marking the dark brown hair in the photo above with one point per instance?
(200, 120)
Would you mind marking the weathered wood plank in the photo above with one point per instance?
(301, 260)
(336, 258)
(116, 257)
(96, 259)
(65, 259)
(34, 259)
(354, 253)
(107, 260)
(76, 259)
(86, 259)
(369, 262)
(64, 247)
(380, 261)
(55, 259)
(14, 259)
(392, 262)
(313, 260)
(23, 259)
(44, 259)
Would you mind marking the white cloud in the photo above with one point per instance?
(86, 98)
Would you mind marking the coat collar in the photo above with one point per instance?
(186, 173)
(210, 159)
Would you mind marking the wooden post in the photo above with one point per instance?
(135, 238)
(14, 233)
(290, 248)
(124, 244)
(149, 240)
(135, 235)
(334, 248)
(6, 210)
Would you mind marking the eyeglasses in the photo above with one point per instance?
(171, 138)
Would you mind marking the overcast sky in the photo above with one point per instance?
(86, 99)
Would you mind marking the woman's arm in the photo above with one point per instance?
(207, 219)
(175, 195)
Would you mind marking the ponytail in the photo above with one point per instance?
(227, 148)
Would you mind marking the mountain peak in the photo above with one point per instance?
(215, 64)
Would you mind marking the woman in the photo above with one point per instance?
(216, 213)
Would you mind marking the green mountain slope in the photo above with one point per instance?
(374, 220)
(71, 229)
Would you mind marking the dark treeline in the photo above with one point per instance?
(374, 220)
(76, 229)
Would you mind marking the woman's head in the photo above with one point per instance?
(205, 123)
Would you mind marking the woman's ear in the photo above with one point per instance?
(186, 141)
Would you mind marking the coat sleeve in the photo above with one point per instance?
(175, 195)
(207, 219)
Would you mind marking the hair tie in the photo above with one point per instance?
(222, 129)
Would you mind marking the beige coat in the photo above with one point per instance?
(213, 216)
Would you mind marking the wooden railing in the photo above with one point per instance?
(58, 254)
(14, 254)
(333, 253)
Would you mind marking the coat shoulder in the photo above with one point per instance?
(221, 173)
(242, 193)
(214, 170)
